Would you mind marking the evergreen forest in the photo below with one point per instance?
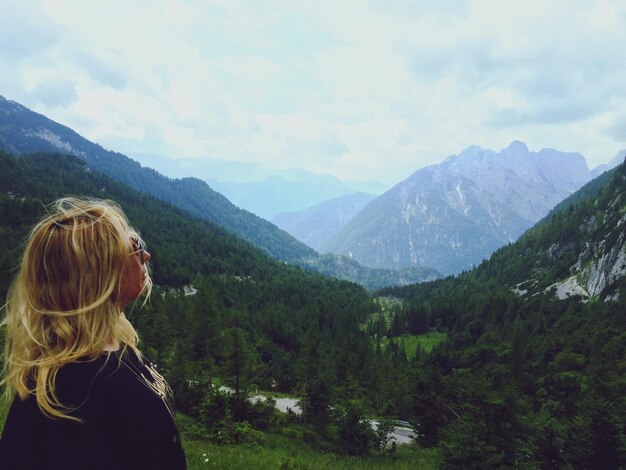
(517, 378)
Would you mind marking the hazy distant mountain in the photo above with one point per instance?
(273, 195)
(453, 215)
(222, 170)
(368, 186)
(615, 161)
(261, 190)
(315, 225)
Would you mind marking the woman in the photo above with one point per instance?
(84, 396)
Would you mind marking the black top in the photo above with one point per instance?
(128, 414)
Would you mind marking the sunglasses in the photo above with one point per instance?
(140, 247)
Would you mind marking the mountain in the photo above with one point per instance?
(372, 278)
(453, 215)
(616, 160)
(276, 194)
(23, 131)
(579, 249)
(532, 373)
(581, 242)
(261, 190)
(206, 169)
(315, 225)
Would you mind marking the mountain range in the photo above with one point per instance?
(23, 131)
(270, 196)
(453, 215)
(444, 218)
(263, 191)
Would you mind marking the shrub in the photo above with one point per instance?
(229, 432)
(355, 435)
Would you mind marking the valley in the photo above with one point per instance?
(517, 362)
(359, 235)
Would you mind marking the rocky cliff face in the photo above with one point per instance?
(607, 268)
(600, 264)
(586, 254)
(453, 215)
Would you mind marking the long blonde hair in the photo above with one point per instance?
(61, 306)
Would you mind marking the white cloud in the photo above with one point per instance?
(356, 88)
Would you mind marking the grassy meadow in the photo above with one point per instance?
(409, 342)
(283, 452)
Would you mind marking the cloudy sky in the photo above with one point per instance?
(357, 89)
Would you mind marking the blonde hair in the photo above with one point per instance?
(61, 306)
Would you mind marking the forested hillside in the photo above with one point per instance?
(252, 321)
(532, 376)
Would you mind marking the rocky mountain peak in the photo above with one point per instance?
(515, 149)
(453, 215)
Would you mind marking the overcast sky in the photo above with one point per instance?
(357, 89)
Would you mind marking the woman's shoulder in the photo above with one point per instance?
(77, 380)
(88, 368)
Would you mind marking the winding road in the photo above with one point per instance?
(402, 434)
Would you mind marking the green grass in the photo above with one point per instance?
(428, 341)
(282, 452)
(387, 306)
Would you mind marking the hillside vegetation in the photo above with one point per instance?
(252, 321)
(528, 379)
